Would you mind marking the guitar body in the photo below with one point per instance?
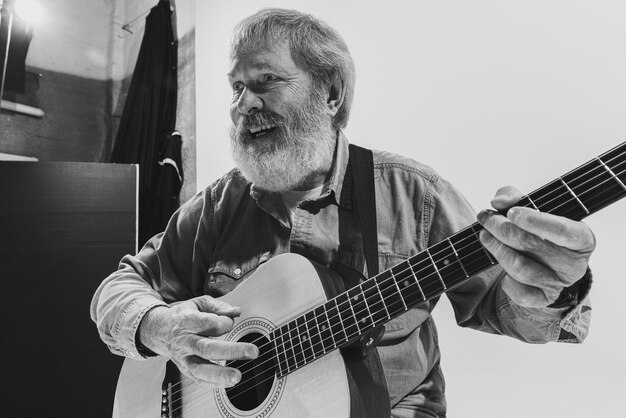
(280, 290)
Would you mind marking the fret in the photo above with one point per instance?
(476, 228)
(616, 160)
(328, 338)
(317, 344)
(346, 316)
(551, 197)
(443, 283)
(574, 194)
(337, 326)
(290, 358)
(305, 341)
(445, 260)
(313, 333)
(374, 300)
(527, 202)
(360, 309)
(296, 344)
(594, 185)
(280, 352)
(416, 278)
(531, 202)
(382, 301)
(457, 257)
(390, 293)
(607, 168)
(470, 251)
(427, 275)
(410, 289)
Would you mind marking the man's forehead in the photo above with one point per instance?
(252, 63)
(276, 57)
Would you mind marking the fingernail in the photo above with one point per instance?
(252, 352)
(485, 237)
(500, 197)
(482, 216)
(513, 213)
(233, 377)
(234, 310)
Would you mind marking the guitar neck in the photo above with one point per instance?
(343, 319)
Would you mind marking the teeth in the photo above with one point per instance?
(260, 128)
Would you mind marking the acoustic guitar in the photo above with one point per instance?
(300, 371)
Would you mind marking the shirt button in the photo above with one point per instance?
(237, 271)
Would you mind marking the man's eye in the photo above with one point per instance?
(269, 77)
(237, 87)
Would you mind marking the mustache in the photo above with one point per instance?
(259, 119)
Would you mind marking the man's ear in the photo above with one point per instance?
(336, 95)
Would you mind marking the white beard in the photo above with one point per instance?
(290, 157)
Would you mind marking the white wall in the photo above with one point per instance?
(86, 37)
(489, 93)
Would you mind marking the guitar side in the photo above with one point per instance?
(280, 290)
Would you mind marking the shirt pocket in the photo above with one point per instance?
(351, 261)
(227, 273)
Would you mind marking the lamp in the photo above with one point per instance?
(6, 8)
(28, 11)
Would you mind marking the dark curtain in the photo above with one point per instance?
(21, 35)
(146, 133)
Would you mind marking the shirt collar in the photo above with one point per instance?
(341, 177)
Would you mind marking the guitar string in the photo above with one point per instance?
(301, 343)
(270, 378)
(341, 310)
(242, 393)
(339, 314)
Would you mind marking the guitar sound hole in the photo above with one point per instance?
(257, 376)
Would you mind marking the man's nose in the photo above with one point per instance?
(249, 102)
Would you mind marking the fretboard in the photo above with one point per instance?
(345, 318)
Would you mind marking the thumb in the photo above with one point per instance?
(216, 306)
(506, 197)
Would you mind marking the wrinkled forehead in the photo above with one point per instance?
(252, 62)
(275, 58)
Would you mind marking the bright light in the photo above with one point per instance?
(28, 10)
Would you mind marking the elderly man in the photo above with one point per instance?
(292, 79)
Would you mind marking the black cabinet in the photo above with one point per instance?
(63, 228)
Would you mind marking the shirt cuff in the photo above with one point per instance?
(575, 324)
(573, 294)
(127, 324)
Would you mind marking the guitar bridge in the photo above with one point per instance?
(171, 406)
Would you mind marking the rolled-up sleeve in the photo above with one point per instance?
(164, 271)
(480, 302)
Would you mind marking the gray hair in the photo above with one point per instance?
(315, 47)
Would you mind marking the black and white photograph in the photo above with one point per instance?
(295, 208)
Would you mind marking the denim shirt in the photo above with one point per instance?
(218, 238)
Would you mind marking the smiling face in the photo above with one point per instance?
(282, 136)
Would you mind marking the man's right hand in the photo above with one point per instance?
(183, 333)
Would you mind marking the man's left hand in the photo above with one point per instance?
(541, 253)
